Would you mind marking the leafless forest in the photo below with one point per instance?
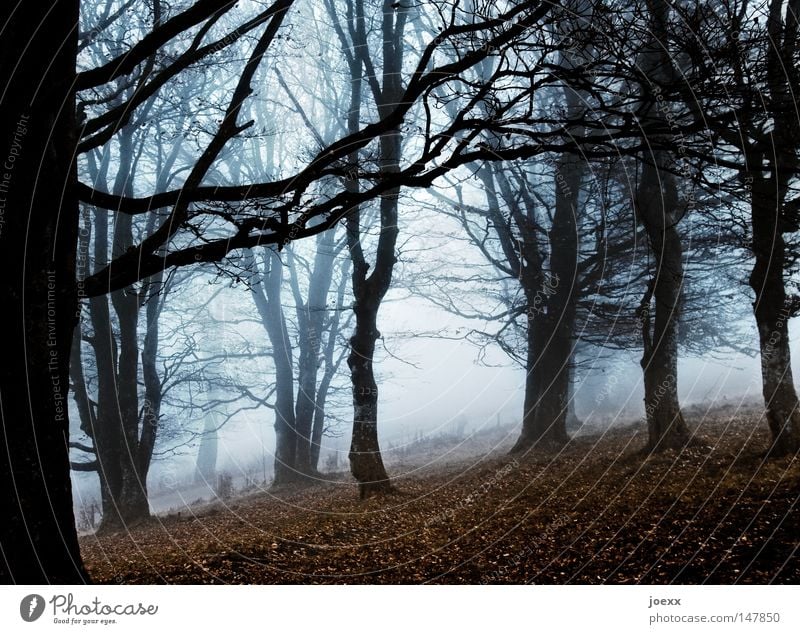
(400, 291)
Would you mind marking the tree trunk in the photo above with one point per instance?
(366, 463)
(529, 434)
(38, 239)
(151, 409)
(131, 502)
(657, 207)
(206, 466)
(125, 498)
(311, 317)
(285, 431)
(561, 287)
(573, 422)
(106, 434)
(772, 314)
(266, 291)
(331, 366)
(769, 221)
(553, 297)
(319, 420)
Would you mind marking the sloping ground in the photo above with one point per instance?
(599, 512)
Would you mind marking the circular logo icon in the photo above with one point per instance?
(31, 607)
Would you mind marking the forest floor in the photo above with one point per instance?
(598, 512)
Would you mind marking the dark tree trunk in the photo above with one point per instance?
(772, 312)
(122, 463)
(553, 297)
(106, 434)
(366, 463)
(38, 239)
(657, 207)
(266, 291)
(659, 210)
(131, 501)
(319, 420)
(552, 309)
(151, 409)
(87, 413)
(557, 340)
(666, 426)
(769, 221)
(529, 434)
(573, 422)
(285, 431)
(311, 318)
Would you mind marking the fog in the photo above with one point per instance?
(431, 387)
(464, 271)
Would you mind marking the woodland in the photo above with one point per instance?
(218, 211)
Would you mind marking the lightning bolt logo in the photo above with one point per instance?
(31, 607)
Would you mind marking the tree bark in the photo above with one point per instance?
(266, 291)
(122, 458)
(553, 296)
(38, 240)
(106, 434)
(557, 340)
(151, 409)
(366, 463)
(331, 366)
(770, 172)
(658, 208)
(530, 433)
(772, 313)
(311, 318)
(131, 501)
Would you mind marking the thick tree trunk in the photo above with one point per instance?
(779, 159)
(106, 435)
(551, 412)
(38, 239)
(131, 501)
(366, 463)
(772, 318)
(659, 210)
(552, 301)
(561, 306)
(656, 205)
(552, 296)
(550, 331)
(123, 487)
(530, 434)
(105, 432)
